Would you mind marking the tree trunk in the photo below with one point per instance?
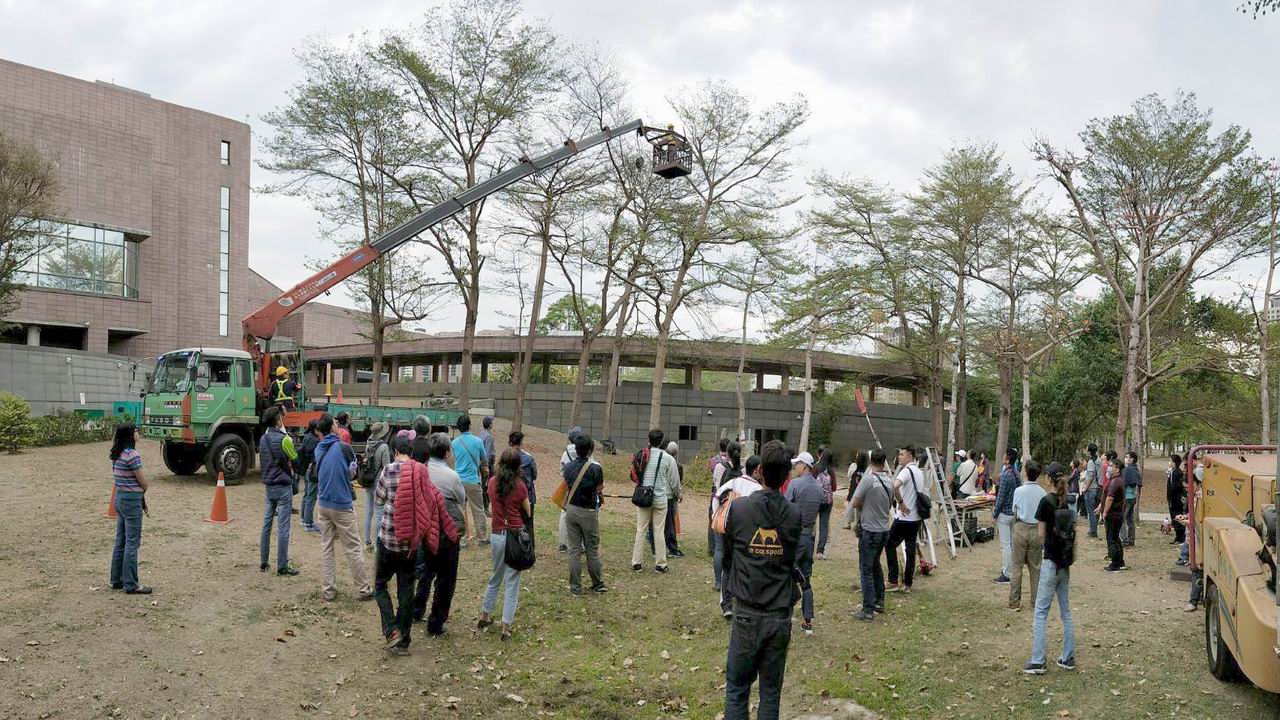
(660, 351)
(742, 362)
(1006, 401)
(962, 406)
(580, 383)
(1129, 396)
(955, 400)
(611, 382)
(379, 339)
(955, 426)
(808, 386)
(1026, 411)
(526, 365)
(1264, 346)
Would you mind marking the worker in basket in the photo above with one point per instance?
(284, 389)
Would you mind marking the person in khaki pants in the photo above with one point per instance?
(1028, 549)
(335, 513)
(663, 475)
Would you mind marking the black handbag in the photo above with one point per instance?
(519, 553)
(642, 496)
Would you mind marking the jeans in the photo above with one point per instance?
(124, 555)
(644, 518)
(1091, 506)
(311, 490)
(372, 516)
(824, 527)
(870, 546)
(339, 526)
(716, 559)
(1004, 524)
(583, 527)
(1197, 587)
(1052, 582)
(1179, 530)
(400, 564)
(902, 531)
(277, 506)
(1130, 514)
(668, 528)
(503, 576)
(757, 648)
(1115, 549)
(1184, 553)
(1027, 552)
(804, 561)
(440, 570)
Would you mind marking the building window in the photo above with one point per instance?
(224, 253)
(688, 432)
(84, 259)
(224, 152)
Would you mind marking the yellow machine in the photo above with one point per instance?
(1235, 546)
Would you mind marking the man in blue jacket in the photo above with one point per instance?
(335, 468)
(1002, 513)
(275, 456)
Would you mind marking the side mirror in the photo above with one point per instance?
(202, 377)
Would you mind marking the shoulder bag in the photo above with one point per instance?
(564, 493)
(642, 496)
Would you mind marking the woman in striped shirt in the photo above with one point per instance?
(126, 471)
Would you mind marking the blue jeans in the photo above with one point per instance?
(870, 546)
(372, 516)
(276, 506)
(757, 650)
(503, 576)
(717, 558)
(824, 527)
(311, 490)
(804, 562)
(1091, 505)
(1185, 554)
(124, 556)
(1052, 582)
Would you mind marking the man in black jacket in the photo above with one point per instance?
(761, 536)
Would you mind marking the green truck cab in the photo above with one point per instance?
(202, 404)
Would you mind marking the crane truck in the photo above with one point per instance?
(1233, 539)
(204, 403)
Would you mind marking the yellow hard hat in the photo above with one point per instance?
(281, 371)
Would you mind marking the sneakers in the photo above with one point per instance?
(1180, 562)
(140, 590)
(287, 570)
(262, 567)
(1034, 668)
(661, 569)
(393, 640)
(637, 567)
(879, 609)
(894, 588)
(1189, 607)
(726, 612)
(807, 627)
(864, 616)
(1068, 664)
(1016, 607)
(1002, 580)
(1113, 568)
(400, 651)
(564, 548)
(364, 596)
(600, 589)
(312, 528)
(820, 556)
(483, 623)
(575, 591)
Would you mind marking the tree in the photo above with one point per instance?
(1260, 315)
(29, 190)
(341, 141)
(562, 315)
(1157, 186)
(469, 72)
(755, 276)
(16, 427)
(741, 158)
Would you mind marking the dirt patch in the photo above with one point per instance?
(220, 639)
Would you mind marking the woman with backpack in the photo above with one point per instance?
(738, 480)
(1057, 528)
(377, 455)
(508, 508)
(826, 478)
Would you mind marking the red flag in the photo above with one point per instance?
(862, 405)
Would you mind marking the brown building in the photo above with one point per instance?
(150, 251)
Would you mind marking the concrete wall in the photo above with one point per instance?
(548, 406)
(44, 377)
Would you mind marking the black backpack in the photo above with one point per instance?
(368, 473)
(924, 503)
(1064, 534)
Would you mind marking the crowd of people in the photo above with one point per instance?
(427, 495)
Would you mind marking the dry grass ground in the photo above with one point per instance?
(221, 640)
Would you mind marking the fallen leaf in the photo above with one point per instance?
(354, 712)
(280, 640)
(333, 656)
(309, 706)
(515, 698)
(33, 643)
(665, 655)
(626, 662)
(290, 632)
(347, 634)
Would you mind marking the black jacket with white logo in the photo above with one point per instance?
(760, 539)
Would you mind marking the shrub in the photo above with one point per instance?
(69, 428)
(15, 422)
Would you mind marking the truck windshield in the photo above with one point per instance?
(173, 373)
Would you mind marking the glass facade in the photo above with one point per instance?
(83, 258)
(224, 256)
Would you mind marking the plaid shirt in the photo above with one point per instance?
(385, 495)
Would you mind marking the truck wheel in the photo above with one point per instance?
(1221, 663)
(182, 459)
(229, 454)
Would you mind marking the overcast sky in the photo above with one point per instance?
(890, 84)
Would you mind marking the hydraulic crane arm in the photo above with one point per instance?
(262, 324)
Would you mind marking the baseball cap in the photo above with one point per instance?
(803, 457)
(962, 454)
(1054, 470)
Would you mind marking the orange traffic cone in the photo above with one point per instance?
(111, 504)
(339, 398)
(219, 512)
